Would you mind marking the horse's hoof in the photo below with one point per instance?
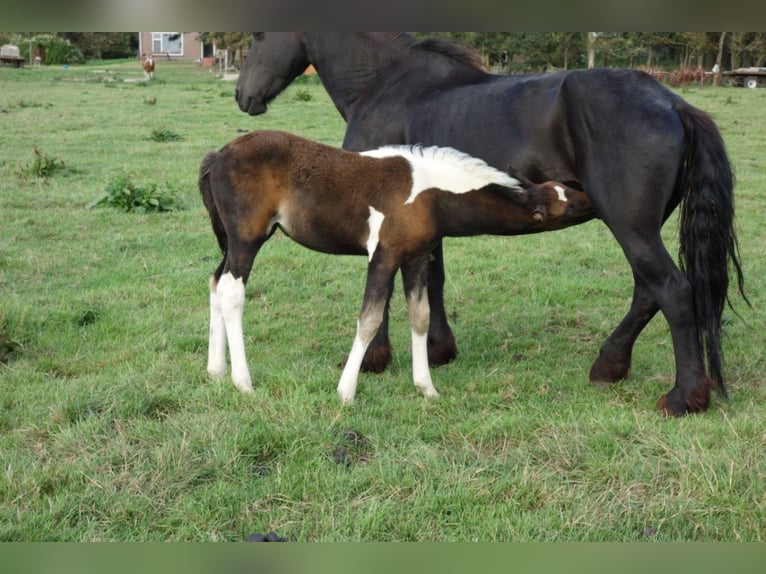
(604, 372)
(442, 352)
(697, 401)
(376, 359)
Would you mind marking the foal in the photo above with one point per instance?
(148, 64)
(392, 204)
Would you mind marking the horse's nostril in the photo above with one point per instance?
(236, 94)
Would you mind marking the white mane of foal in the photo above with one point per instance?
(445, 168)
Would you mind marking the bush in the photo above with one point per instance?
(127, 196)
(53, 50)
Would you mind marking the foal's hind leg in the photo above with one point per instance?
(230, 293)
(614, 357)
(216, 354)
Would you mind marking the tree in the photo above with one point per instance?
(237, 43)
(103, 45)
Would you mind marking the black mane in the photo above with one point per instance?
(458, 54)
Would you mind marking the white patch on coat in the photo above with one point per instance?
(445, 168)
(375, 221)
(562, 195)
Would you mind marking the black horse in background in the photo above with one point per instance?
(636, 148)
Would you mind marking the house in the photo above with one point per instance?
(180, 46)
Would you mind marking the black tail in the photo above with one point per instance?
(708, 242)
(207, 198)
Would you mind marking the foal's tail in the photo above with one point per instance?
(207, 198)
(708, 242)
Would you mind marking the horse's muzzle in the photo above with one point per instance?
(250, 105)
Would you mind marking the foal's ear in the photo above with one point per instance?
(525, 183)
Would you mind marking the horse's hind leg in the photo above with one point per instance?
(414, 276)
(614, 357)
(673, 294)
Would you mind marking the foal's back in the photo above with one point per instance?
(318, 195)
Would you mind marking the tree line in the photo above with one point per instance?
(505, 51)
(540, 51)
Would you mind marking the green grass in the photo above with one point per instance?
(110, 429)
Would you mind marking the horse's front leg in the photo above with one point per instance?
(441, 342)
(380, 282)
(414, 276)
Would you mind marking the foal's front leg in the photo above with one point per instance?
(415, 277)
(380, 274)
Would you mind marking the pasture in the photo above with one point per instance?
(111, 430)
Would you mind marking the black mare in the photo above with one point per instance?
(635, 147)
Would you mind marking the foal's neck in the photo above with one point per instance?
(492, 210)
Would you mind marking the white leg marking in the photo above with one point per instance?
(350, 376)
(366, 327)
(421, 375)
(419, 312)
(231, 293)
(562, 195)
(216, 350)
(374, 222)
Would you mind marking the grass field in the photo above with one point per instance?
(111, 430)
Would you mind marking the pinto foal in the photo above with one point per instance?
(392, 204)
(148, 64)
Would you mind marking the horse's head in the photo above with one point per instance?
(275, 59)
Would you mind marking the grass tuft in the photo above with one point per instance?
(125, 195)
(44, 166)
(165, 135)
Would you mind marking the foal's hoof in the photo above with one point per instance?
(216, 374)
(673, 404)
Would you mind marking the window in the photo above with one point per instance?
(171, 43)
